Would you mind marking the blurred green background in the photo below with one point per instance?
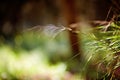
(59, 40)
(36, 56)
(33, 55)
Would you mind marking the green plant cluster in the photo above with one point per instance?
(103, 42)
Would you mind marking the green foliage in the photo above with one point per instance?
(33, 55)
(103, 47)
